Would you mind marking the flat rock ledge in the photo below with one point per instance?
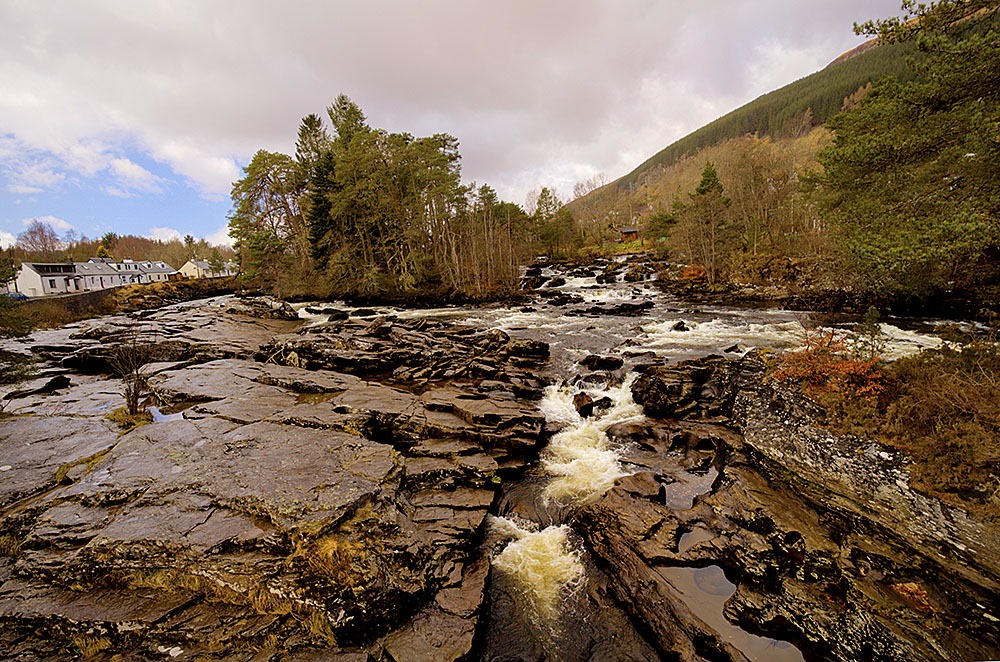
(308, 493)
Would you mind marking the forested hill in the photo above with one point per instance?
(791, 110)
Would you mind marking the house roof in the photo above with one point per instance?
(156, 267)
(48, 268)
(95, 269)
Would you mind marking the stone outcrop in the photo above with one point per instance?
(320, 495)
(320, 492)
(827, 545)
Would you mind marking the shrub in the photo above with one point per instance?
(824, 367)
(944, 411)
(941, 407)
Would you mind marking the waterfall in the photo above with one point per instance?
(579, 456)
(541, 565)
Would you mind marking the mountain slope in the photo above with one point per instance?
(791, 110)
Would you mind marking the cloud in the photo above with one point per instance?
(133, 176)
(220, 237)
(532, 90)
(7, 239)
(165, 234)
(55, 222)
(27, 178)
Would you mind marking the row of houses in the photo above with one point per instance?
(36, 279)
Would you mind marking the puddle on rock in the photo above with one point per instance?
(698, 534)
(680, 495)
(705, 591)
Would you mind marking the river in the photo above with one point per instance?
(546, 600)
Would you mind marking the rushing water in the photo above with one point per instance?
(537, 561)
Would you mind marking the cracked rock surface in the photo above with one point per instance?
(308, 494)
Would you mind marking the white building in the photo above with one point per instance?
(201, 269)
(100, 274)
(37, 279)
(144, 271)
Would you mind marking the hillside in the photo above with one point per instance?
(785, 116)
(793, 109)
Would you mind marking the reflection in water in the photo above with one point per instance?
(695, 536)
(705, 591)
(681, 494)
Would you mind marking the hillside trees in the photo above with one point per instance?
(40, 243)
(703, 225)
(912, 181)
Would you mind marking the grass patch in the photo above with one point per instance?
(126, 421)
(337, 560)
(89, 646)
(941, 407)
(10, 546)
(88, 461)
(944, 411)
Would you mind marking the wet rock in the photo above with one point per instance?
(49, 386)
(638, 272)
(584, 404)
(623, 309)
(284, 509)
(827, 546)
(560, 299)
(36, 452)
(595, 362)
(680, 326)
(262, 306)
(533, 282)
(690, 389)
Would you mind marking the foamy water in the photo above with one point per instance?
(541, 565)
(580, 457)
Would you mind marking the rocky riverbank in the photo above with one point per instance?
(827, 545)
(788, 284)
(321, 492)
(273, 510)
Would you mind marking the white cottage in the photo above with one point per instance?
(36, 279)
(100, 274)
(201, 269)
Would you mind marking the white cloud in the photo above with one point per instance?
(55, 222)
(6, 239)
(212, 175)
(220, 237)
(165, 234)
(533, 91)
(116, 192)
(134, 176)
(26, 178)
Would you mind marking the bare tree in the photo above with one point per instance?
(581, 189)
(126, 360)
(40, 241)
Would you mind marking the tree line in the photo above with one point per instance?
(361, 211)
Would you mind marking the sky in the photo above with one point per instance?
(137, 117)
